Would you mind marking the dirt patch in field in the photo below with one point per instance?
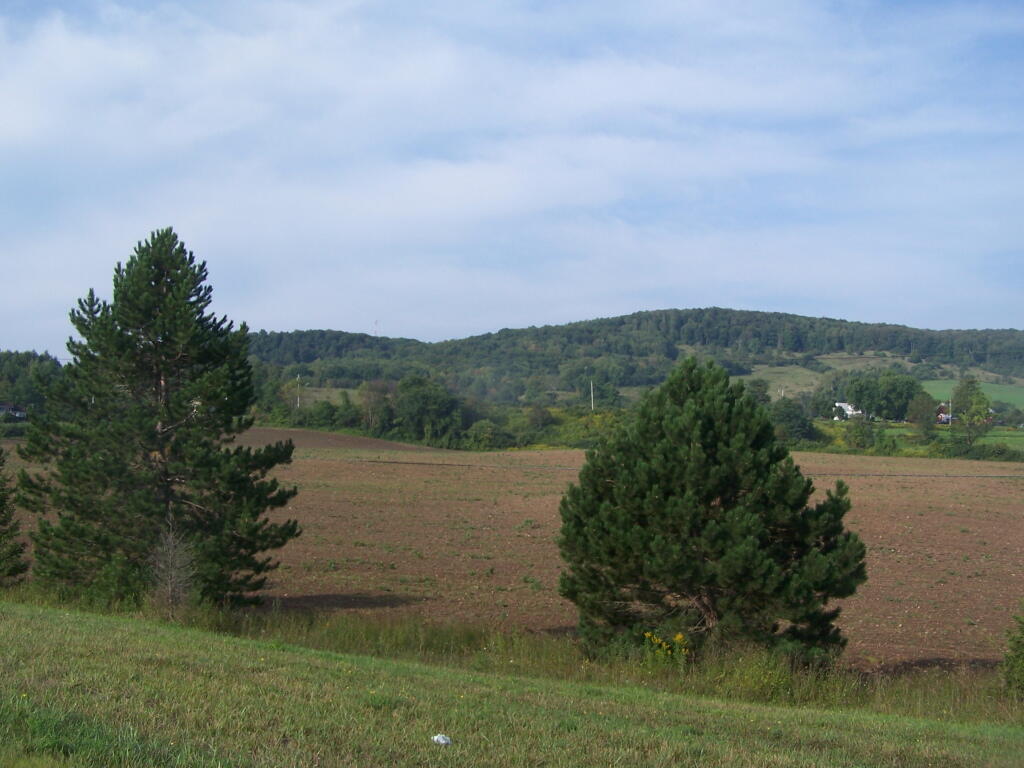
(450, 535)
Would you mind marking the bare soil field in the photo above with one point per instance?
(452, 535)
(392, 529)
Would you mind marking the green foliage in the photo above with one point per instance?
(921, 412)
(758, 389)
(378, 413)
(427, 412)
(12, 550)
(861, 435)
(882, 394)
(694, 514)
(971, 416)
(485, 435)
(1013, 662)
(1007, 414)
(791, 421)
(537, 365)
(136, 441)
(24, 375)
(1013, 394)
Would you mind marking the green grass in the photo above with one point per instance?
(333, 395)
(1011, 437)
(790, 379)
(89, 690)
(1013, 394)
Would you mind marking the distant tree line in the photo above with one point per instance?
(23, 379)
(23, 375)
(635, 350)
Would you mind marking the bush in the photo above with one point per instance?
(485, 435)
(1013, 663)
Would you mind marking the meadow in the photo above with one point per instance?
(89, 690)
(1013, 394)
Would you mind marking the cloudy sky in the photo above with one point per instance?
(441, 169)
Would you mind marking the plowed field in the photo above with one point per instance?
(452, 535)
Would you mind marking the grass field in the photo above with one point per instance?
(788, 379)
(1013, 394)
(88, 690)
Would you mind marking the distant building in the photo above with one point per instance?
(848, 411)
(10, 409)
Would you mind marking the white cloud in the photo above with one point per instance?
(460, 168)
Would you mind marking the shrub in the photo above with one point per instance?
(1013, 663)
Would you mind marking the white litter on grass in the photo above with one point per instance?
(441, 739)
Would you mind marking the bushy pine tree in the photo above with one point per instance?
(693, 518)
(12, 561)
(137, 437)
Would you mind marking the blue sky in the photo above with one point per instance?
(441, 169)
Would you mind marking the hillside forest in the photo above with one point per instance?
(564, 385)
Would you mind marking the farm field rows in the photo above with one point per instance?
(458, 536)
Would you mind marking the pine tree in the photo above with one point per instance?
(694, 519)
(137, 435)
(12, 562)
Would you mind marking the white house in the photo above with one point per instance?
(848, 411)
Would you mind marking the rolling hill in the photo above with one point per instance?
(638, 350)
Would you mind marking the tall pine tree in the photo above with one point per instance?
(694, 519)
(12, 550)
(136, 440)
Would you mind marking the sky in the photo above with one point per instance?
(441, 169)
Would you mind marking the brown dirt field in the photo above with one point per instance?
(470, 536)
(403, 530)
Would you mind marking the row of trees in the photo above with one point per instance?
(422, 409)
(885, 394)
(891, 395)
(139, 477)
(24, 376)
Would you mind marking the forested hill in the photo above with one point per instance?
(631, 350)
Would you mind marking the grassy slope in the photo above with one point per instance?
(1007, 393)
(117, 692)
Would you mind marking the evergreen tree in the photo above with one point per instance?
(693, 518)
(12, 563)
(136, 440)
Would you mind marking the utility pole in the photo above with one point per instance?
(591, 394)
(298, 392)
